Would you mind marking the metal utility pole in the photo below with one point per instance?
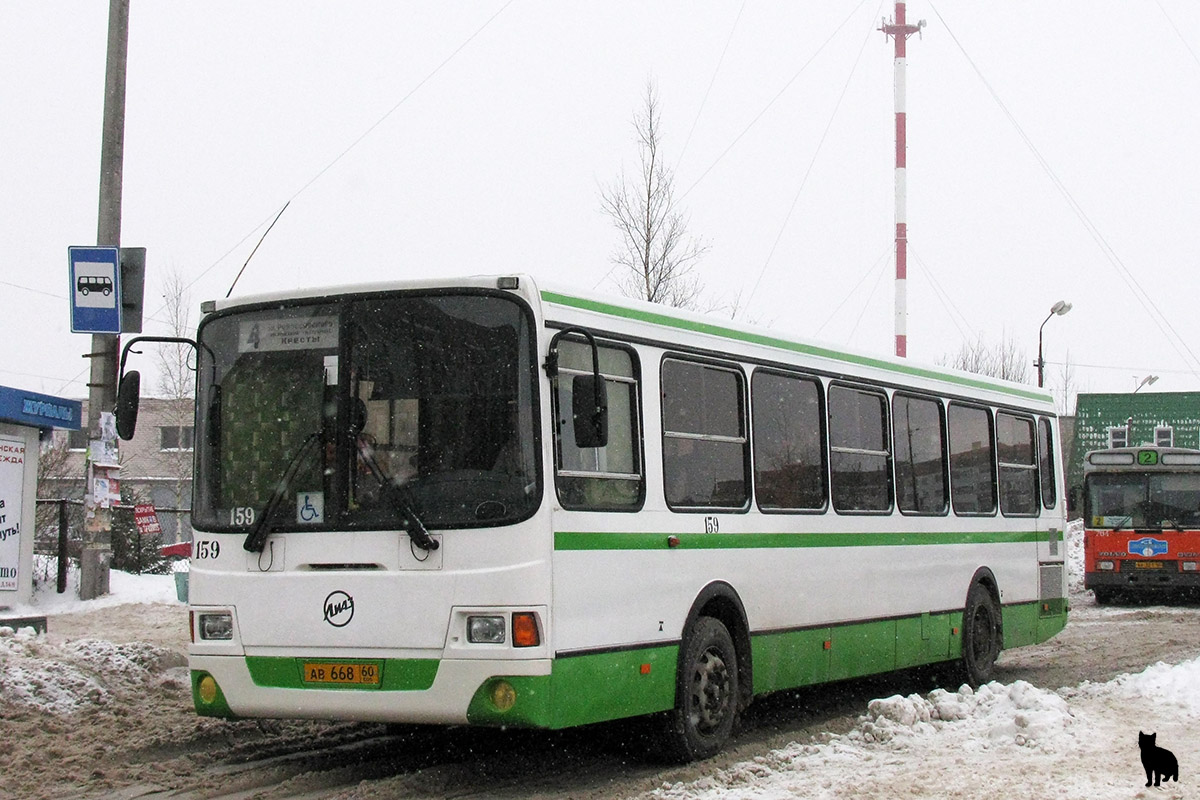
(900, 31)
(102, 386)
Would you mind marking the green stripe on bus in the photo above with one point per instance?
(641, 540)
(397, 674)
(783, 344)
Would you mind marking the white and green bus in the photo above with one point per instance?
(484, 501)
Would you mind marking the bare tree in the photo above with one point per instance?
(1065, 396)
(1003, 360)
(176, 382)
(656, 256)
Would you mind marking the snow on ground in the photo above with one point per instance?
(1014, 740)
(999, 741)
(124, 588)
(63, 677)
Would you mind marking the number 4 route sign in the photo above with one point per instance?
(95, 292)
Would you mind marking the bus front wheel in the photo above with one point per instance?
(706, 694)
(982, 635)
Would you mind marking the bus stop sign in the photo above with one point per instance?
(95, 274)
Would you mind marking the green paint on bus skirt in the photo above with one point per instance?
(598, 687)
(711, 329)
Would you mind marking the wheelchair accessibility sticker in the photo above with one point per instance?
(310, 508)
(1147, 546)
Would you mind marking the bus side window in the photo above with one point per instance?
(858, 450)
(789, 442)
(609, 477)
(972, 460)
(1046, 465)
(705, 447)
(1018, 465)
(919, 442)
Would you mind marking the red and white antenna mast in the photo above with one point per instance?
(900, 31)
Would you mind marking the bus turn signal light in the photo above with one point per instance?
(525, 630)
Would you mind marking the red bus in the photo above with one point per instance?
(1141, 511)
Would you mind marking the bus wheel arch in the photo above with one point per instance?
(982, 628)
(720, 601)
(713, 680)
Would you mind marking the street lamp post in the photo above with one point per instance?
(1146, 381)
(1058, 309)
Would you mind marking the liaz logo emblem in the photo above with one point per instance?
(1148, 546)
(339, 609)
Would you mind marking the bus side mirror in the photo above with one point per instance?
(1073, 499)
(589, 409)
(127, 404)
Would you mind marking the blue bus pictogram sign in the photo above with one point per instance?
(95, 290)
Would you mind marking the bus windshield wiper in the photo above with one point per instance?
(402, 500)
(257, 538)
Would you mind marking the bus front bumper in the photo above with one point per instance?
(421, 691)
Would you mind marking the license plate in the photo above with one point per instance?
(326, 672)
(1148, 564)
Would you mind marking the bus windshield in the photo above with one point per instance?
(1143, 500)
(364, 412)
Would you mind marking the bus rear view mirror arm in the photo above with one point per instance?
(129, 385)
(589, 395)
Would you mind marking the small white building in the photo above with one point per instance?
(24, 416)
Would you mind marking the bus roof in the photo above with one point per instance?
(679, 327)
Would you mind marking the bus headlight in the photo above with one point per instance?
(1104, 565)
(485, 630)
(1188, 566)
(218, 626)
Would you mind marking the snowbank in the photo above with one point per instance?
(997, 741)
(124, 588)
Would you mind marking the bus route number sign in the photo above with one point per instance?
(1147, 458)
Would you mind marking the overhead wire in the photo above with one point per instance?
(812, 162)
(874, 288)
(353, 144)
(270, 219)
(943, 296)
(1177, 342)
(752, 123)
(712, 81)
(1175, 28)
(870, 271)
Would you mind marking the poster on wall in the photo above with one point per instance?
(12, 487)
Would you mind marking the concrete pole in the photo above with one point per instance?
(102, 386)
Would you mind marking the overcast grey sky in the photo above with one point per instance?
(1052, 154)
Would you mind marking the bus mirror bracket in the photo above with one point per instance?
(589, 395)
(130, 384)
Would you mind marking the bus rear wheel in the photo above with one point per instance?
(706, 694)
(982, 636)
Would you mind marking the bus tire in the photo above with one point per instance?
(1104, 595)
(982, 635)
(706, 694)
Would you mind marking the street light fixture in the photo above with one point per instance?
(1146, 381)
(1058, 309)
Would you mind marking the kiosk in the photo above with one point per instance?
(23, 416)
